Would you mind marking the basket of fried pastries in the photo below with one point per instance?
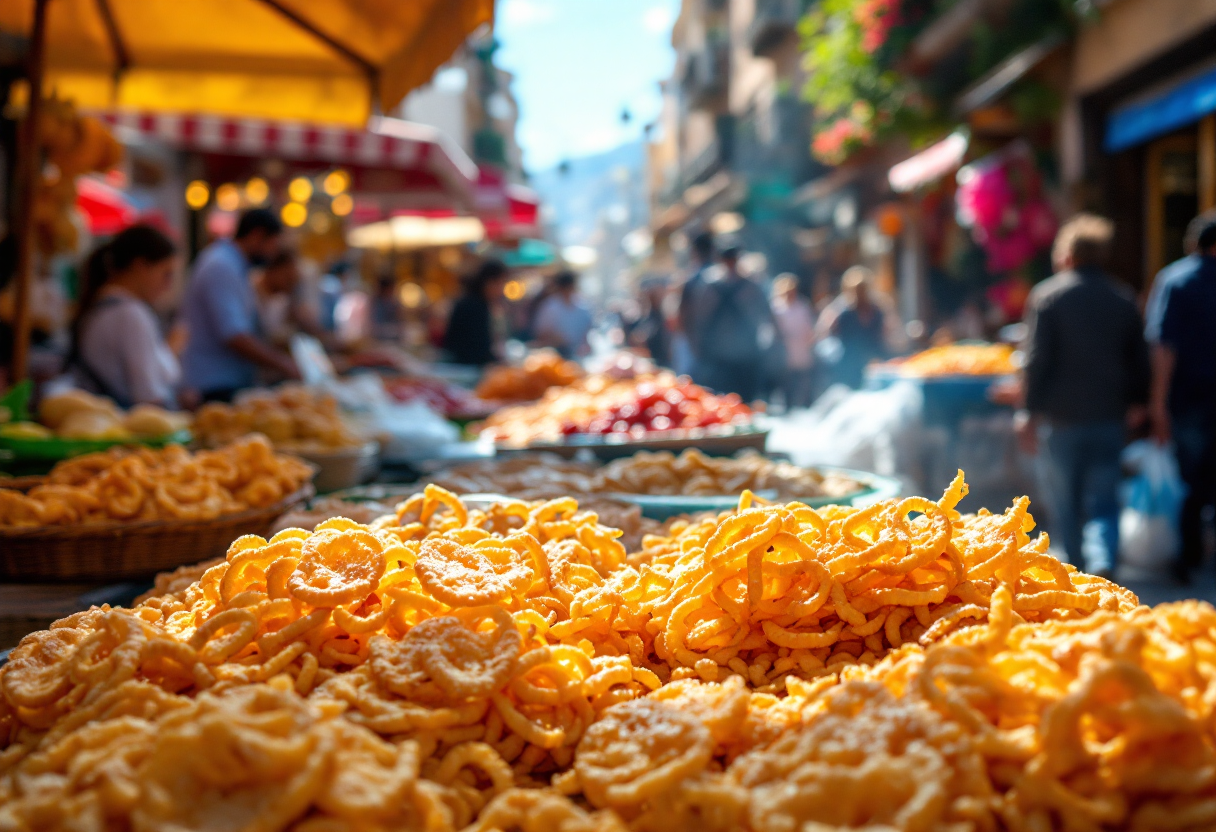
(773, 668)
(132, 512)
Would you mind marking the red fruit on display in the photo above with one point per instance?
(660, 423)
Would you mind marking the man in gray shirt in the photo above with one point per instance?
(1086, 380)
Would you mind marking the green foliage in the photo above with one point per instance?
(859, 96)
(853, 49)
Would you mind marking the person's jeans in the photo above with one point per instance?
(1194, 435)
(721, 377)
(1081, 478)
(797, 388)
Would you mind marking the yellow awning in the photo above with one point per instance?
(307, 60)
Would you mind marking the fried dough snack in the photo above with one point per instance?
(959, 360)
(526, 477)
(540, 371)
(294, 418)
(140, 484)
(692, 473)
(76, 414)
(775, 668)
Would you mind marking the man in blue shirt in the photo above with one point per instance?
(1182, 330)
(224, 348)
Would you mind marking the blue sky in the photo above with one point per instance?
(577, 63)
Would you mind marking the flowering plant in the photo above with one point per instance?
(1000, 198)
(839, 139)
(850, 46)
(858, 50)
(876, 19)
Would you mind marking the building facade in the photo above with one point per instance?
(1142, 113)
(733, 141)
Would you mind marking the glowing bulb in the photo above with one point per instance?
(514, 290)
(227, 197)
(300, 189)
(319, 222)
(293, 214)
(256, 190)
(336, 182)
(342, 205)
(197, 194)
(411, 295)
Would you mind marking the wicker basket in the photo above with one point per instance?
(112, 552)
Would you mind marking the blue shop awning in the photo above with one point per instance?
(1176, 107)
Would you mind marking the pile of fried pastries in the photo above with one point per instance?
(959, 360)
(295, 418)
(774, 668)
(527, 476)
(691, 474)
(538, 372)
(132, 485)
(76, 414)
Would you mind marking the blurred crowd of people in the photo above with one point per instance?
(1096, 371)
(138, 336)
(220, 341)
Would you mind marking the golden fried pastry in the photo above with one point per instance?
(959, 360)
(539, 372)
(136, 484)
(92, 424)
(773, 668)
(55, 410)
(149, 420)
(293, 417)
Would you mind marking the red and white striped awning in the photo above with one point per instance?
(929, 165)
(387, 144)
(508, 211)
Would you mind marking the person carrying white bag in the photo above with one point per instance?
(1152, 500)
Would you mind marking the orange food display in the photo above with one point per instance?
(129, 485)
(539, 372)
(601, 405)
(294, 418)
(900, 667)
(959, 360)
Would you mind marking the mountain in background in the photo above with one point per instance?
(583, 196)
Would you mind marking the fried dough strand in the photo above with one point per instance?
(899, 667)
(129, 485)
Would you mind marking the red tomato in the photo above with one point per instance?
(660, 423)
(599, 427)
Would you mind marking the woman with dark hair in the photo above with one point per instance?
(470, 333)
(118, 349)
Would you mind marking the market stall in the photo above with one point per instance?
(546, 595)
(327, 62)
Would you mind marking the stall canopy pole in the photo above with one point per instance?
(28, 166)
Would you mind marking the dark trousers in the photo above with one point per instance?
(1081, 480)
(1194, 435)
(745, 379)
(796, 387)
(224, 395)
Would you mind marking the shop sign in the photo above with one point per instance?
(1183, 104)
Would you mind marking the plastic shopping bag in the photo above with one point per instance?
(1148, 525)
